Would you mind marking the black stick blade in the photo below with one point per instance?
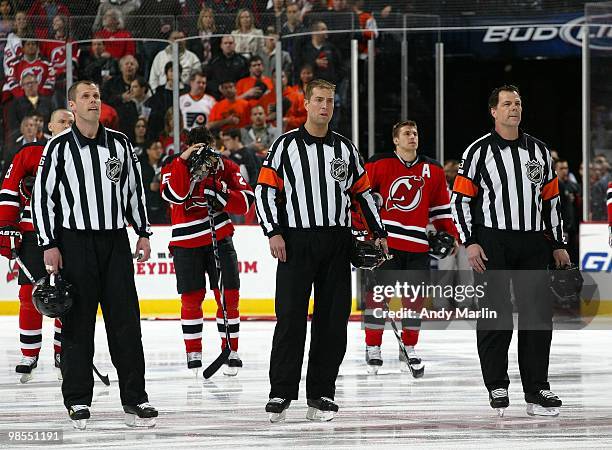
(217, 363)
(103, 378)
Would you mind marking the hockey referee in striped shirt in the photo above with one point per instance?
(303, 195)
(87, 189)
(506, 206)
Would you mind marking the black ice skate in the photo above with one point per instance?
(498, 399)
(79, 415)
(230, 368)
(142, 415)
(25, 367)
(413, 365)
(321, 409)
(543, 403)
(58, 368)
(277, 409)
(194, 362)
(373, 358)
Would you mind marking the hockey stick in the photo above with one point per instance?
(222, 358)
(415, 373)
(103, 378)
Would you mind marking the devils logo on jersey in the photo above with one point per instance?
(405, 193)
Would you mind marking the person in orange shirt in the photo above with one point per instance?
(251, 88)
(231, 112)
(294, 112)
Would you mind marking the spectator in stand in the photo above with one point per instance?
(160, 101)
(229, 65)
(599, 211)
(126, 7)
(249, 40)
(132, 105)
(6, 22)
(13, 49)
(196, 104)
(294, 111)
(108, 116)
(187, 59)
(97, 64)
(305, 77)
(31, 63)
(235, 150)
(41, 134)
(30, 103)
(231, 112)
(29, 131)
(42, 13)
(140, 137)
(207, 47)
(150, 171)
(569, 195)
(268, 54)
(117, 90)
(367, 24)
(167, 135)
(253, 87)
(341, 17)
(259, 136)
(158, 23)
(321, 54)
(117, 41)
(293, 25)
(275, 15)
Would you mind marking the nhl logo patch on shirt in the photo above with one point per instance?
(113, 169)
(338, 169)
(535, 171)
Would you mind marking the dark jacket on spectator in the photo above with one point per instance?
(309, 54)
(248, 163)
(223, 68)
(159, 103)
(159, 17)
(21, 107)
(113, 89)
(92, 67)
(156, 207)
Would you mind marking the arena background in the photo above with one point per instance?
(432, 61)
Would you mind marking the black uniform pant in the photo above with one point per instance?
(99, 266)
(322, 258)
(519, 259)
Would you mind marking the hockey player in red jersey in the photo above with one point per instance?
(15, 213)
(411, 192)
(191, 243)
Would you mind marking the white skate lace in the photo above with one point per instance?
(76, 408)
(497, 393)
(374, 352)
(27, 360)
(144, 405)
(233, 355)
(194, 356)
(276, 400)
(411, 352)
(548, 394)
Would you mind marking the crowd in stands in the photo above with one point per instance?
(226, 69)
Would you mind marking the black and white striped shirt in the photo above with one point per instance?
(308, 182)
(88, 184)
(507, 185)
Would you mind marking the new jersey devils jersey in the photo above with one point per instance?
(413, 194)
(188, 211)
(14, 186)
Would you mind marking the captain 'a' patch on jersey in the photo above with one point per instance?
(413, 195)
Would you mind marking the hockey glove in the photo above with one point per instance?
(441, 244)
(10, 239)
(216, 193)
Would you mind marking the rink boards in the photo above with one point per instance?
(156, 284)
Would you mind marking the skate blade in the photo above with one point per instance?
(230, 371)
(373, 370)
(25, 377)
(277, 417)
(132, 420)
(196, 372)
(500, 411)
(533, 409)
(316, 415)
(417, 370)
(58, 372)
(80, 424)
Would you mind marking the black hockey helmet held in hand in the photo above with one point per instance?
(566, 282)
(441, 244)
(366, 255)
(203, 161)
(52, 296)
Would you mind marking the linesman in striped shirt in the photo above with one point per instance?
(303, 197)
(506, 206)
(88, 188)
